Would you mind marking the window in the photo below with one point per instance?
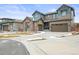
(72, 13)
(63, 13)
(0, 20)
(36, 16)
(48, 15)
(54, 16)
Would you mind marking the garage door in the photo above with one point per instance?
(5, 27)
(59, 27)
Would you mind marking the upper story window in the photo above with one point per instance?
(49, 16)
(0, 20)
(63, 13)
(36, 15)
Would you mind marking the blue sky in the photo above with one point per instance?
(20, 11)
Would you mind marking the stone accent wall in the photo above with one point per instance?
(27, 25)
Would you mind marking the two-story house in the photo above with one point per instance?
(59, 21)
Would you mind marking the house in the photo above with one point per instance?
(8, 24)
(59, 21)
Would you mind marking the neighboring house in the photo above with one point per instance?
(59, 21)
(18, 25)
(7, 24)
(28, 24)
(76, 27)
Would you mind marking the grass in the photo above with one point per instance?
(17, 34)
(8, 36)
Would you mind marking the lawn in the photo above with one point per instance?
(17, 34)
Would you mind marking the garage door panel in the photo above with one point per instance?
(59, 27)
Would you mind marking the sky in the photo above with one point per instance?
(20, 11)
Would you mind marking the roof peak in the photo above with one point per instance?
(38, 12)
(65, 5)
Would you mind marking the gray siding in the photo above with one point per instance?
(37, 16)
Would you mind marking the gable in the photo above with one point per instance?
(40, 21)
(66, 10)
(27, 19)
(37, 15)
(63, 7)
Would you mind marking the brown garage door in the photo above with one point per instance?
(59, 27)
(5, 27)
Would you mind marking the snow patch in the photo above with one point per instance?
(4, 41)
(54, 37)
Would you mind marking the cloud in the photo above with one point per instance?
(76, 19)
(14, 11)
(53, 10)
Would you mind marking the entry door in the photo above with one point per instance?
(40, 27)
(5, 27)
(26, 27)
(46, 25)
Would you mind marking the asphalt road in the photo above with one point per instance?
(12, 47)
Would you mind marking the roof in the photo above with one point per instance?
(7, 19)
(50, 13)
(30, 18)
(13, 20)
(5, 22)
(66, 6)
(37, 12)
(18, 21)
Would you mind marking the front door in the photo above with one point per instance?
(40, 27)
(46, 25)
(26, 27)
